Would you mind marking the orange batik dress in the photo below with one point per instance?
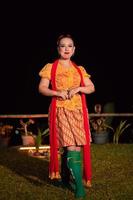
(69, 116)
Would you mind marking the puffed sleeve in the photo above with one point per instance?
(46, 71)
(84, 73)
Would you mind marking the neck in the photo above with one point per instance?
(65, 63)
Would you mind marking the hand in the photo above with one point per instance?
(73, 91)
(62, 94)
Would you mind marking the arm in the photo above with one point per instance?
(87, 89)
(44, 89)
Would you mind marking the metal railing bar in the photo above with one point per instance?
(46, 115)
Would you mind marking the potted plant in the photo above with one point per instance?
(5, 134)
(119, 131)
(38, 139)
(99, 127)
(26, 133)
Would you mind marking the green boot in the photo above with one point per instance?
(74, 165)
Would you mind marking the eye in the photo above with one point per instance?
(61, 45)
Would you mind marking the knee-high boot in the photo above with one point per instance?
(74, 165)
(65, 172)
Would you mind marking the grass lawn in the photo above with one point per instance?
(26, 178)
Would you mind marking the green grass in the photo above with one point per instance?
(26, 178)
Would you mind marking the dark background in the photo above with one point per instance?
(103, 35)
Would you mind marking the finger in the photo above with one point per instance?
(65, 96)
(70, 95)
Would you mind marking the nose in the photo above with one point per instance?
(66, 48)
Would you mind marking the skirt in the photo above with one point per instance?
(70, 127)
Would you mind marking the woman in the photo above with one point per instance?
(68, 115)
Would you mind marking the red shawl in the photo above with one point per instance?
(54, 165)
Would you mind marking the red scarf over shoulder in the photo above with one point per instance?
(54, 164)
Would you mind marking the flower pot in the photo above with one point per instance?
(100, 138)
(28, 140)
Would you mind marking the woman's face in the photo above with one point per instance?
(66, 48)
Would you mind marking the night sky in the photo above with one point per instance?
(28, 42)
